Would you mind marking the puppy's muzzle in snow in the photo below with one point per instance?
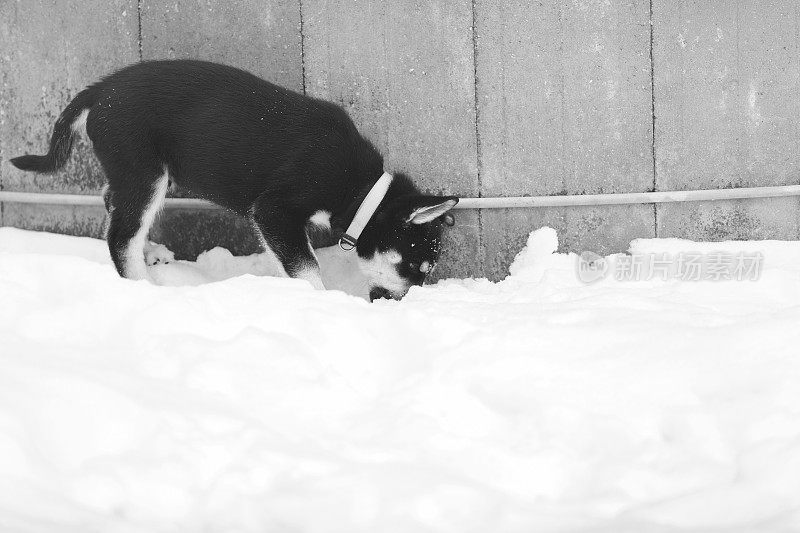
(376, 293)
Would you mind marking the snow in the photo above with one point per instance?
(229, 401)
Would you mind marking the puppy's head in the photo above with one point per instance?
(400, 245)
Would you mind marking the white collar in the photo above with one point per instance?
(365, 211)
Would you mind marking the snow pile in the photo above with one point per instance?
(540, 403)
(339, 269)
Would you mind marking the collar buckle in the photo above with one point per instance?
(346, 242)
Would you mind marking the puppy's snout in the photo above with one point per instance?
(376, 293)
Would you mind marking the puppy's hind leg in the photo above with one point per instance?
(132, 213)
(285, 234)
(108, 202)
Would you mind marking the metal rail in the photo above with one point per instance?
(510, 202)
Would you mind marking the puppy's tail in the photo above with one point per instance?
(63, 136)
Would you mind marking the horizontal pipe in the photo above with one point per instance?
(658, 197)
(92, 200)
(509, 202)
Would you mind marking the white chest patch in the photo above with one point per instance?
(321, 219)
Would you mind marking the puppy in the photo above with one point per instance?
(281, 159)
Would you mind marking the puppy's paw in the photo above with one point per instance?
(157, 254)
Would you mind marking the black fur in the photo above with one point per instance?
(260, 150)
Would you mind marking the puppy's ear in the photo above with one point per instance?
(427, 208)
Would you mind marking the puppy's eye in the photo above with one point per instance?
(413, 267)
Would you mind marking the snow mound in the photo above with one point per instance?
(537, 256)
(339, 269)
(228, 400)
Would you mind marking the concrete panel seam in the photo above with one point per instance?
(653, 123)
(139, 15)
(2, 206)
(738, 87)
(477, 107)
(302, 45)
(478, 152)
(562, 96)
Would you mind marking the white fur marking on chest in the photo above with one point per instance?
(321, 219)
(312, 276)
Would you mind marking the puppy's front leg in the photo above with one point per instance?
(286, 236)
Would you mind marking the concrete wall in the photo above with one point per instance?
(49, 50)
(727, 113)
(471, 97)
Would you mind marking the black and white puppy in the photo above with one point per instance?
(279, 158)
